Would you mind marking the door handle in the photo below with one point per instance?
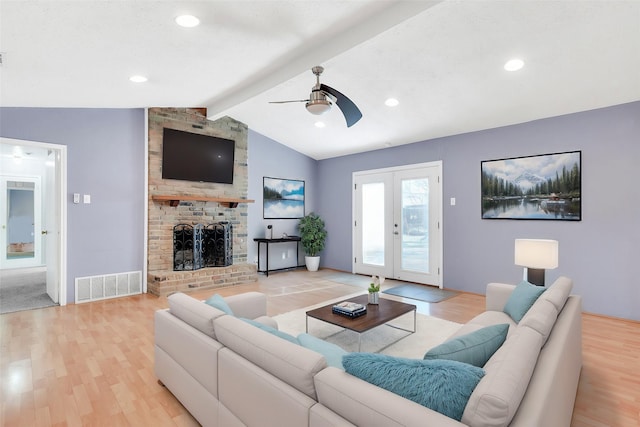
(43, 232)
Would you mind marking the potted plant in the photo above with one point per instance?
(374, 289)
(313, 236)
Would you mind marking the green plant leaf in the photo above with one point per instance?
(312, 234)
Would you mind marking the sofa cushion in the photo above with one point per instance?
(289, 362)
(541, 317)
(558, 292)
(331, 352)
(218, 302)
(272, 330)
(266, 320)
(521, 299)
(484, 319)
(474, 348)
(498, 395)
(441, 385)
(194, 312)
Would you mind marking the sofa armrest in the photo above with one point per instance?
(250, 305)
(497, 296)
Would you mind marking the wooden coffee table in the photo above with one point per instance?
(377, 315)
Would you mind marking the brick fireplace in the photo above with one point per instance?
(173, 202)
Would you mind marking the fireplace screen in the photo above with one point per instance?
(218, 248)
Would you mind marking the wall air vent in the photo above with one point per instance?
(94, 288)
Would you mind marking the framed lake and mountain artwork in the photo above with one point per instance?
(282, 198)
(541, 187)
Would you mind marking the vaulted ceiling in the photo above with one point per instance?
(442, 60)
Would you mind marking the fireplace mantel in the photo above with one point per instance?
(174, 200)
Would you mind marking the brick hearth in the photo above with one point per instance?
(161, 279)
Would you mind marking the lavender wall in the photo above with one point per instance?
(105, 158)
(599, 253)
(270, 158)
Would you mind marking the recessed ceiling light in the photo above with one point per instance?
(391, 102)
(187, 21)
(514, 64)
(320, 124)
(138, 79)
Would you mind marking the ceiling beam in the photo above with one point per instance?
(303, 58)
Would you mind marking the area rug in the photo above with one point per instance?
(430, 331)
(421, 293)
(349, 279)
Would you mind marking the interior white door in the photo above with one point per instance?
(397, 223)
(20, 204)
(50, 232)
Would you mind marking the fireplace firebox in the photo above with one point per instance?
(197, 246)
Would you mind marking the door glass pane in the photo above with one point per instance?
(415, 225)
(373, 223)
(20, 220)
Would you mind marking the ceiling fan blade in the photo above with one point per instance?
(351, 113)
(286, 102)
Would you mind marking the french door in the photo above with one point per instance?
(397, 223)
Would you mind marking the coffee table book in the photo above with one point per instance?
(350, 309)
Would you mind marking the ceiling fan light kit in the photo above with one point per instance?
(319, 104)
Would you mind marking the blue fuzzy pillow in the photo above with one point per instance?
(441, 385)
(521, 300)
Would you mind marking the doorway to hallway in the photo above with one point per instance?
(32, 222)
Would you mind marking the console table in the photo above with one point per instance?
(268, 242)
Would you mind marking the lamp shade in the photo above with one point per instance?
(536, 253)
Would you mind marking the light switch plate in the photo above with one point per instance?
(76, 198)
(87, 198)
(453, 201)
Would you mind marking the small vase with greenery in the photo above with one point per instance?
(313, 236)
(374, 289)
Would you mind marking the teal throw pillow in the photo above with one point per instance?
(521, 300)
(331, 352)
(218, 302)
(441, 385)
(272, 331)
(475, 348)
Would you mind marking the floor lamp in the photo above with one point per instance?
(536, 255)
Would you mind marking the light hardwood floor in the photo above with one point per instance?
(92, 364)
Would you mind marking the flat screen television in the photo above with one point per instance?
(195, 157)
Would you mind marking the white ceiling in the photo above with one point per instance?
(441, 59)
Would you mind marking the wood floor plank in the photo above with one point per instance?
(92, 364)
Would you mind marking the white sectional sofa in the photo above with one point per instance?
(228, 372)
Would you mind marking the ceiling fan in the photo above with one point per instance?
(323, 96)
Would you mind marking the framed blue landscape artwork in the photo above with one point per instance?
(282, 198)
(545, 186)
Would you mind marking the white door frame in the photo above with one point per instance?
(61, 244)
(355, 244)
